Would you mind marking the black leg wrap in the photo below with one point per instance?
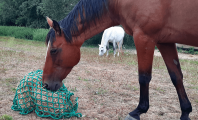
(186, 109)
(144, 79)
(144, 97)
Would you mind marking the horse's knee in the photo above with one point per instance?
(144, 79)
(113, 48)
(176, 78)
(107, 48)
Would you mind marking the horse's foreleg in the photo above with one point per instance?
(145, 50)
(107, 48)
(114, 48)
(169, 54)
(121, 47)
(118, 44)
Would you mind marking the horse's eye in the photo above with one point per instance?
(53, 50)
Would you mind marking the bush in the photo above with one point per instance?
(24, 32)
(17, 32)
(94, 41)
(128, 41)
(40, 34)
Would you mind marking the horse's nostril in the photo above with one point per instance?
(56, 87)
(52, 87)
(45, 85)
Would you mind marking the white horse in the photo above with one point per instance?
(114, 35)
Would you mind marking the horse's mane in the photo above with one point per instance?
(88, 10)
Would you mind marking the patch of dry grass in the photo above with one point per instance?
(107, 87)
(189, 67)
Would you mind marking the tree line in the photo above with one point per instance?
(31, 13)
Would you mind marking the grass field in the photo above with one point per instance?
(107, 87)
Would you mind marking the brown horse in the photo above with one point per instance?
(160, 23)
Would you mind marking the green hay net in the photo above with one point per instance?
(31, 96)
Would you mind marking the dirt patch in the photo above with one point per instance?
(106, 91)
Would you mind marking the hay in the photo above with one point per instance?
(31, 96)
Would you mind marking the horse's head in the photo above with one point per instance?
(102, 50)
(61, 57)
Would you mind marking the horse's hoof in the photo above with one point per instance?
(186, 119)
(128, 117)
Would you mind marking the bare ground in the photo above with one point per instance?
(106, 90)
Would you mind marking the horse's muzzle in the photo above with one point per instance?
(53, 86)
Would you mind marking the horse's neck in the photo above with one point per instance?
(95, 28)
(103, 42)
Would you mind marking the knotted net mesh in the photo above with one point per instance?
(31, 96)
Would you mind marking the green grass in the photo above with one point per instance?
(74, 89)
(6, 117)
(190, 50)
(89, 54)
(189, 67)
(40, 34)
(194, 87)
(159, 89)
(21, 44)
(101, 91)
(24, 32)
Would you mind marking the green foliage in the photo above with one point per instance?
(57, 10)
(22, 13)
(94, 41)
(32, 13)
(24, 32)
(17, 32)
(40, 34)
(6, 117)
(128, 41)
(190, 50)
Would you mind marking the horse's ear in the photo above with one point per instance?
(53, 24)
(49, 21)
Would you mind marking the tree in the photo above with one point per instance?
(57, 10)
(31, 13)
(9, 11)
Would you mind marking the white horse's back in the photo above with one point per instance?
(113, 33)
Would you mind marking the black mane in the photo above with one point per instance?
(92, 10)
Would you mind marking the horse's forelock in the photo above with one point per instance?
(50, 37)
